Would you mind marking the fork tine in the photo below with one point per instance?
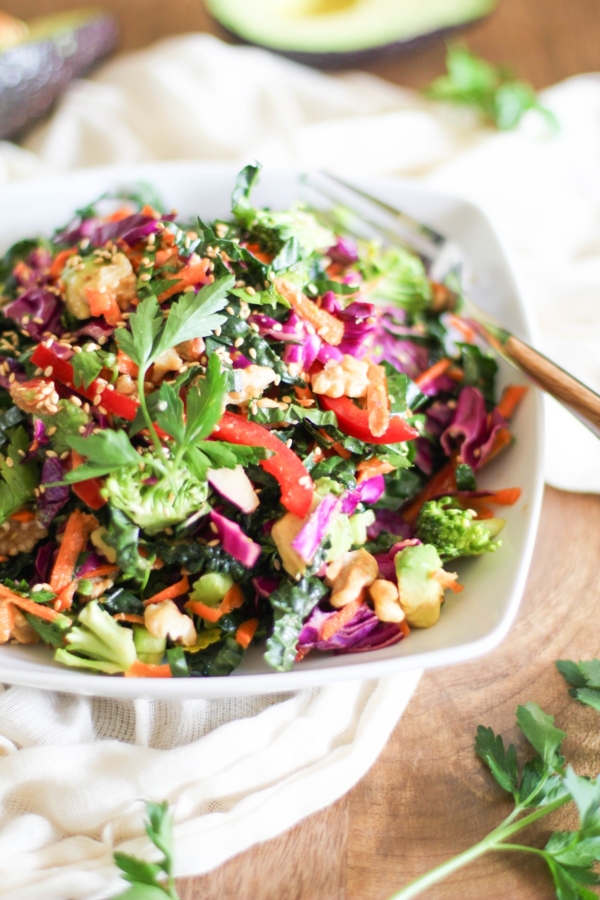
(434, 236)
(438, 252)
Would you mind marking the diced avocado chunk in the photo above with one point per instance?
(421, 595)
(211, 587)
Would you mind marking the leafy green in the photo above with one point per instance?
(151, 881)
(18, 479)
(465, 478)
(292, 602)
(240, 198)
(538, 787)
(479, 371)
(500, 98)
(584, 678)
(106, 452)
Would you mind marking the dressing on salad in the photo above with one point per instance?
(258, 431)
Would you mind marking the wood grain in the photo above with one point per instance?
(427, 797)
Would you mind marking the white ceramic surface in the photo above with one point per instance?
(473, 622)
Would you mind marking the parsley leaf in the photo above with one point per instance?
(585, 678)
(86, 367)
(151, 881)
(145, 324)
(106, 451)
(494, 92)
(192, 316)
(539, 730)
(205, 403)
(501, 762)
(240, 198)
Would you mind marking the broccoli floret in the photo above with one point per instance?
(156, 505)
(453, 531)
(105, 645)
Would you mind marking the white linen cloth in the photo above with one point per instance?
(239, 772)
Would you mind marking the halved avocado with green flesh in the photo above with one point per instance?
(56, 49)
(341, 33)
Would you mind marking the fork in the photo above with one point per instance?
(442, 257)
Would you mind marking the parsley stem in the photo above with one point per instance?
(494, 841)
(144, 407)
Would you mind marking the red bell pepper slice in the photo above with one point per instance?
(354, 422)
(88, 491)
(296, 484)
(62, 370)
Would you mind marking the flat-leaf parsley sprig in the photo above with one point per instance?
(151, 881)
(539, 786)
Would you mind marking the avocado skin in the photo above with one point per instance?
(351, 59)
(34, 73)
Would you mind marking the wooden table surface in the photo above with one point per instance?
(427, 797)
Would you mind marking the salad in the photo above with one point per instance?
(259, 431)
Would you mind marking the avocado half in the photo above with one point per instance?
(343, 33)
(54, 50)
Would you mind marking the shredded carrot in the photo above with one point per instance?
(148, 670)
(369, 468)
(125, 365)
(464, 328)
(483, 512)
(259, 254)
(404, 627)
(169, 593)
(22, 515)
(210, 613)
(301, 652)
(434, 371)
(505, 496)
(103, 304)
(378, 406)
(448, 580)
(443, 482)
(163, 256)
(511, 397)
(129, 617)
(327, 326)
(59, 261)
(121, 213)
(148, 210)
(245, 632)
(337, 621)
(100, 572)
(233, 599)
(65, 597)
(30, 606)
(190, 275)
(79, 527)
(305, 396)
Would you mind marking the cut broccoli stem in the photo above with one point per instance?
(98, 638)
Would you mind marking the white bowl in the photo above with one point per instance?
(473, 622)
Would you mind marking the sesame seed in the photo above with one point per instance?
(86, 408)
(21, 453)
(286, 398)
(77, 350)
(65, 455)
(81, 429)
(48, 371)
(38, 321)
(276, 565)
(240, 283)
(51, 454)
(52, 431)
(76, 401)
(214, 543)
(12, 378)
(230, 310)
(250, 290)
(277, 326)
(145, 277)
(252, 353)
(214, 528)
(9, 462)
(238, 342)
(254, 327)
(97, 399)
(217, 331)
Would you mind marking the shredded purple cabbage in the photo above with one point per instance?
(234, 541)
(470, 429)
(52, 500)
(344, 251)
(37, 304)
(309, 538)
(14, 368)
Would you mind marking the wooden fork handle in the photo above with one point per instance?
(583, 401)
